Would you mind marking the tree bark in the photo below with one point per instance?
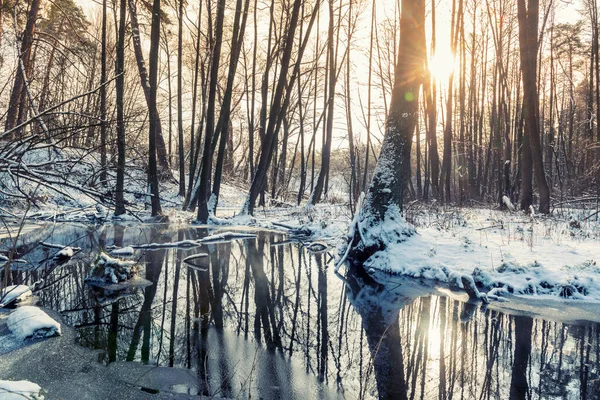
(207, 153)
(224, 123)
(326, 152)
(103, 165)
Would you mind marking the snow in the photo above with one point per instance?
(508, 203)
(19, 390)
(14, 293)
(52, 245)
(182, 243)
(66, 252)
(30, 322)
(219, 237)
(124, 251)
(546, 258)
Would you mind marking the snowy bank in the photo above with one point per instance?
(525, 257)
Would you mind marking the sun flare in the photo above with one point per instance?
(442, 64)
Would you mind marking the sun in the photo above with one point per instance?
(442, 64)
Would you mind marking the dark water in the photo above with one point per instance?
(268, 319)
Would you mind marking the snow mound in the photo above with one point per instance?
(32, 323)
(14, 293)
(19, 390)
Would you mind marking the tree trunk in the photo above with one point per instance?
(207, 153)
(103, 165)
(528, 41)
(120, 89)
(155, 129)
(180, 102)
(326, 153)
(224, 124)
(385, 197)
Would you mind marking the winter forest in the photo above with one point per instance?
(300, 199)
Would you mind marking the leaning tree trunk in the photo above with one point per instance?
(270, 138)
(139, 57)
(103, 130)
(384, 199)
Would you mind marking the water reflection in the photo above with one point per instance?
(268, 319)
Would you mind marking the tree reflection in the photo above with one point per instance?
(265, 306)
(379, 308)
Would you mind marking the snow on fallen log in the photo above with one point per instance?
(124, 251)
(52, 245)
(180, 244)
(226, 236)
(192, 261)
(64, 252)
(14, 293)
(186, 244)
(4, 259)
(109, 269)
(30, 322)
(19, 390)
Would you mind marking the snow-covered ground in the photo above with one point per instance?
(555, 256)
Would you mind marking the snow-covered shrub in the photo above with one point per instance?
(108, 269)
